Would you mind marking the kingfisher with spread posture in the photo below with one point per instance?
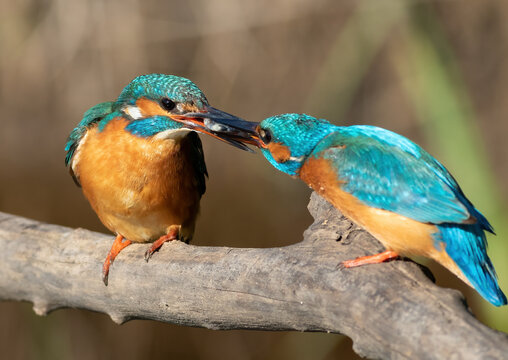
(389, 186)
(140, 162)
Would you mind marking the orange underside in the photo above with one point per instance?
(139, 188)
(397, 233)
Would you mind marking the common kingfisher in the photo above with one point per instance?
(140, 162)
(389, 186)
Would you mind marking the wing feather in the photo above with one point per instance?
(91, 117)
(387, 171)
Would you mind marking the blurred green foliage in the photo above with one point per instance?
(449, 121)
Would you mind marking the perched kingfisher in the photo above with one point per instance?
(140, 162)
(389, 186)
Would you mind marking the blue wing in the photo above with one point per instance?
(387, 171)
(91, 117)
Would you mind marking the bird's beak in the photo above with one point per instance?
(221, 125)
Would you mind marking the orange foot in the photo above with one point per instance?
(170, 236)
(117, 246)
(370, 259)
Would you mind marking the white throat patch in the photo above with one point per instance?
(174, 134)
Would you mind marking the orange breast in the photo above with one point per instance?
(138, 187)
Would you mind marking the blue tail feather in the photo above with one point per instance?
(467, 246)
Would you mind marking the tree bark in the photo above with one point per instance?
(391, 310)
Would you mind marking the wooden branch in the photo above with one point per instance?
(390, 310)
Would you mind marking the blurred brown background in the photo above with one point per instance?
(434, 71)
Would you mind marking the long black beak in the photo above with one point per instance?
(223, 126)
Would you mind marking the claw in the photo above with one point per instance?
(118, 245)
(170, 236)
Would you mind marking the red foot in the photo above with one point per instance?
(370, 259)
(117, 246)
(170, 236)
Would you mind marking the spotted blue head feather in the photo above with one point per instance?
(300, 133)
(157, 86)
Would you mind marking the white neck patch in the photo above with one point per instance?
(133, 111)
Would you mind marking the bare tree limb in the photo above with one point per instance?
(390, 310)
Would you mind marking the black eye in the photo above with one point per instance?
(167, 104)
(265, 135)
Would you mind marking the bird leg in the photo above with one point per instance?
(172, 234)
(370, 259)
(117, 246)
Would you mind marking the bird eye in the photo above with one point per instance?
(167, 104)
(265, 135)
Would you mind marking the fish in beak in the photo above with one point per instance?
(222, 126)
